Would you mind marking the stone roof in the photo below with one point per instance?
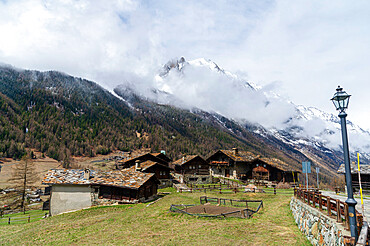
(139, 156)
(186, 159)
(120, 178)
(162, 156)
(279, 164)
(241, 156)
(364, 169)
(147, 164)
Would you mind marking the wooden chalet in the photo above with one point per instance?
(246, 165)
(192, 169)
(232, 163)
(365, 176)
(163, 156)
(131, 159)
(272, 169)
(73, 189)
(161, 171)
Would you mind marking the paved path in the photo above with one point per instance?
(343, 197)
(182, 187)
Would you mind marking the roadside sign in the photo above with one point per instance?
(306, 167)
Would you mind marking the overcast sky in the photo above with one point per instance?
(307, 48)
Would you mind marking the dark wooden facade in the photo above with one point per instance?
(160, 171)
(264, 171)
(194, 166)
(148, 189)
(228, 166)
(245, 165)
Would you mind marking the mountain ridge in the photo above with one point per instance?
(72, 116)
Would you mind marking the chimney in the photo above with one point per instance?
(87, 174)
(183, 158)
(235, 151)
(137, 166)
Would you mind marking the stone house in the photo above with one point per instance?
(74, 189)
(192, 169)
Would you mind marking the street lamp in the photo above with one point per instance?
(340, 100)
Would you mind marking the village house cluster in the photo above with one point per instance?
(139, 175)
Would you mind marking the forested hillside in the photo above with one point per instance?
(64, 116)
(61, 116)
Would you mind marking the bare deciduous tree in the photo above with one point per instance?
(23, 177)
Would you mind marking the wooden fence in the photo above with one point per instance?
(231, 202)
(244, 212)
(22, 219)
(228, 188)
(334, 207)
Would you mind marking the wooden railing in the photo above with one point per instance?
(334, 207)
(21, 219)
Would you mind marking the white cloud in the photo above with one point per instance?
(309, 46)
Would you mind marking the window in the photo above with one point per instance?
(204, 179)
(200, 166)
(193, 179)
(162, 173)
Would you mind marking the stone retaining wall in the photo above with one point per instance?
(318, 228)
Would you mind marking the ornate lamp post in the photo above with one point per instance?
(340, 100)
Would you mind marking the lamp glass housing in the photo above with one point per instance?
(340, 99)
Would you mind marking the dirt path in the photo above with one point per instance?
(210, 209)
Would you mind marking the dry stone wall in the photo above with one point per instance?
(318, 228)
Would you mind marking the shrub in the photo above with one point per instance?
(282, 185)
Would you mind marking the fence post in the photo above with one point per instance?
(308, 197)
(328, 205)
(346, 216)
(339, 217)
(314, 199)
(9, 221)
(275, 191)
(220, 190)
(320, 202)
(29, 218)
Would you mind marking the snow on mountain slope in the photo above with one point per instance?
(202, 84)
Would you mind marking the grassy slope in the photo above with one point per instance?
(154, 225)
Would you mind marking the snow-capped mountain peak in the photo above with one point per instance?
(202, 84)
